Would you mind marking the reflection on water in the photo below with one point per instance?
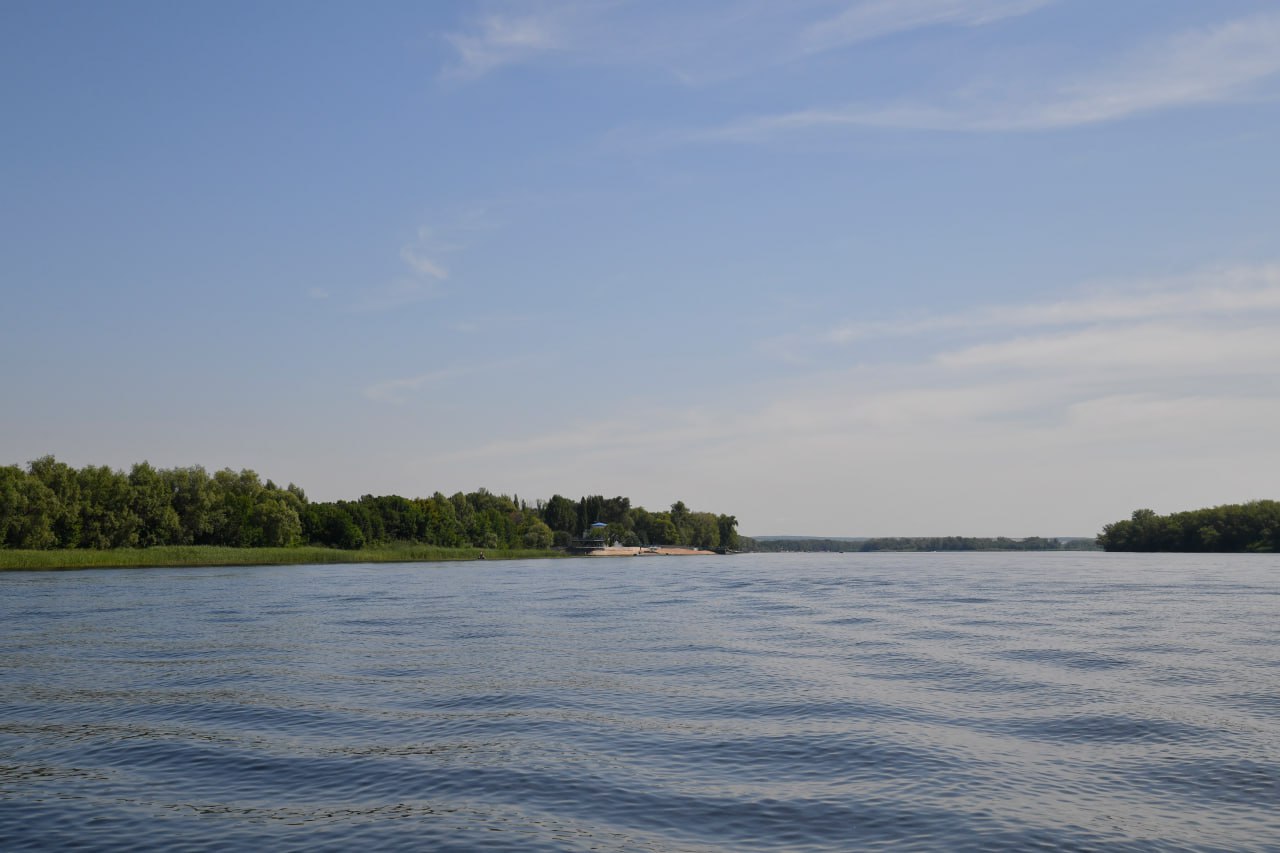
(780, 702)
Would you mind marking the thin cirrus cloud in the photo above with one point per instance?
(861, 22)
(1224, 322)
(701, 42)
(422, 264)
(1230, 61)
(1206, 336)
(400, 390)
(1178, 349)
(497, 40)
(1068, 402)
(420, 255)
(421, 282)
(1209, 293)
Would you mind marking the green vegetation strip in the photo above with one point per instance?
(212, 555)
(1252, 526)
(51, 506)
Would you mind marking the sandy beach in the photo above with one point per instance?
(651, 551)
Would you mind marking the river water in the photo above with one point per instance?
(758, 702)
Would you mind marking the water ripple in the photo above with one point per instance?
(762, 702)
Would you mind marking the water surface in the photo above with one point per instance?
(760, 702)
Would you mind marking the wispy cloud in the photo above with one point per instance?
(422, 264)
(500, 39)
(1178, 349)
(1211, 65)
(422, 282)
(1101, 400)
(860, 22)
(399, 390)
(421, 254)
(1209, 293)
(703, 41)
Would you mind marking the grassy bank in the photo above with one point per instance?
(210, 555)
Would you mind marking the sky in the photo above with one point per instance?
(835, 267)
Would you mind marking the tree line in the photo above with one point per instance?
(1252, 526)
(922, 543)
(50, 504)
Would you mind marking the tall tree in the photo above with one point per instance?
(65, 511)
(151, 501)
(560, 513)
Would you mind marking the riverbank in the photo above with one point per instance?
(649, 551)
(210, 555)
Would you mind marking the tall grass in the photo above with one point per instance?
(214, 555)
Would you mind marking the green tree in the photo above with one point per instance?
(662, 531)
(680, 518)
(107, 519)
(590, 510)
(12, 502)
(442, 525)
(704, 531)
(51, 504)
(191, 496)
(727, 526)
(27, 510)
(65, 510)
(330, 524)
(233, 498)
(560, 513)
(152, 503)
(274, 522)
(1252, 526)
(616, 511)
(536, 534)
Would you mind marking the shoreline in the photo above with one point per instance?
(648, 551)
(210, 556)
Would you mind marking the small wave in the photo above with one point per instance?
(1214, 780)
(850, 620)
(1066, 658)
(1107, 728)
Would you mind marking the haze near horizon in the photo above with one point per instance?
(877, 268)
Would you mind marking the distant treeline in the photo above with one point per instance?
(923, 543)
(53, 505)
(1252, 526)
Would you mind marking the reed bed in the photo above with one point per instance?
(167, 556)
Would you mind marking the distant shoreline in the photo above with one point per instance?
(647, 551)
(213, 556)
(848, 545)
(197, 556)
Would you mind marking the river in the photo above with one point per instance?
(798, 702)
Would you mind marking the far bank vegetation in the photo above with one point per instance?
(52, 505)
(921, 543)
(1252, 526)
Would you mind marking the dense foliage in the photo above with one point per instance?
(52, 505)
(1253, 526)
(921, 543)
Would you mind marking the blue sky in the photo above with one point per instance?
(840, 267)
